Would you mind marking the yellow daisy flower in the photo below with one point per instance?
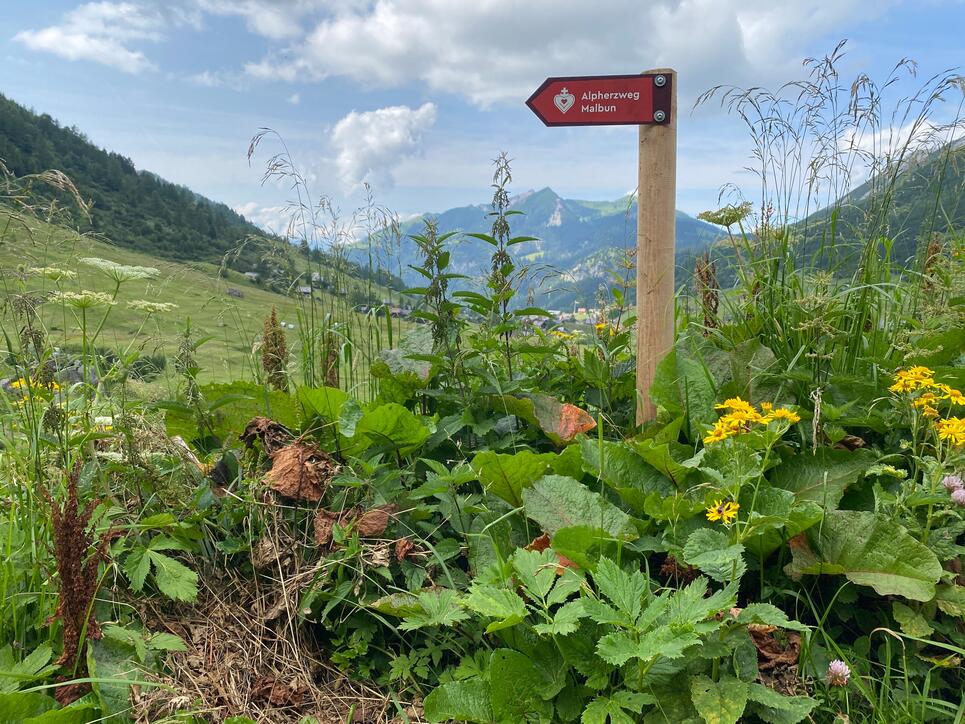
(724, 511)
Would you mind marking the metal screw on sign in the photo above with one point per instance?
(659, 116)
(660, 81)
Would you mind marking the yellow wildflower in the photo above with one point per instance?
(950, 393)
(912, 379)
(782, 413)
(735, 404)
(952, 430)
(725, 511)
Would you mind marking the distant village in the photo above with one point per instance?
(556, 318)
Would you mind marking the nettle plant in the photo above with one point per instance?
(608, 645)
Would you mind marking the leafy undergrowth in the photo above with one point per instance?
(483, 533)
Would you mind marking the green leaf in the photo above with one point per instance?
(871, 550)
(166, 642)
(666, 457)
(584, 545)
(720, 702)
(768, 615)
(712, 552)
(666, 642)
(501, 604)
(394, 425)
(566, 620)
(556, 502)
(15, 707)
(625, 472)
(507, 475)
(325, 402)
(174, 579)
(76, 713)
(822, 477)
(14, 675)
(776, 708)
(951, 599)
(459, 701)
(683, 384)
(536, 571)
(108, 661)
(137, 565)
(517, 685)
(626, 591)
(797, 516)
(438, 607)
(621, 707)
(397, 604)
(911, 621)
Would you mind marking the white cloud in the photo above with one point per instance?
(294, 99)
(372, 143)
(273, 219)
(274, 19)
(500, 50)
(103, 32)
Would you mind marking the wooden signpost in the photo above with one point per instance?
(648, 100)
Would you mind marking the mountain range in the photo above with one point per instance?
(577, 243)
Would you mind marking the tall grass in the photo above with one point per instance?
(337, 343)
(824, 268)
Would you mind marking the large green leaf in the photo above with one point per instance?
(788, 516)
(718, 702)
(712, 552)
(106, 661)
(232, 405)
(326, 402)
(871, 550)
(821, 477)
(683, 383)
(556, 502)
(517, 686)
(460, 701)
(17, 706)
(506, 475)
(776, 708)
(625, 471)
(394, 425)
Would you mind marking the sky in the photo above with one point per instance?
(416, 97)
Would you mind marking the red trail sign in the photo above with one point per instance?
(603, 100)
(647, 100)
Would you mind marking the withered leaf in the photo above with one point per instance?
(574, 420)
(373, 522)
(301, 471)
(272, 435)
(403, 547)
(541, 543)
(324, 523)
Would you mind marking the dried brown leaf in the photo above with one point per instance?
(272, 435)
(373, 522)
(301, 471)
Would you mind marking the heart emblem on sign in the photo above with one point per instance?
(564, 100)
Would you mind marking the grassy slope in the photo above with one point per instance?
(234, 324)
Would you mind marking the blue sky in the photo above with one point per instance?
(417, 96)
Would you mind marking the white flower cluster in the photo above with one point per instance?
(51, 272)
(143, 305)
(83, 300)
(120, 272)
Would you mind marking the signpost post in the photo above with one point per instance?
(648, 100)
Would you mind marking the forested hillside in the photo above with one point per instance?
(133, 208)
